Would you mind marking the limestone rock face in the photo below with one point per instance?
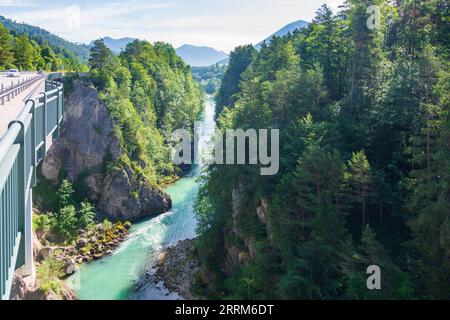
(87, 141)
(120, 205)
(21, 290)
(237, 256)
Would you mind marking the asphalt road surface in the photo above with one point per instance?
(11, 109)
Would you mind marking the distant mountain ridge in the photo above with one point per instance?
(41, 36)
(290, 28)
(196, 56)
(200, 56)
(117, 45)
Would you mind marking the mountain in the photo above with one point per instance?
(41, 36)
(200, 56)
(117, 45)
(290, 28)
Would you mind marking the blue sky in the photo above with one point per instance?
(219, 24)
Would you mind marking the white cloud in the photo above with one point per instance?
(215, 23)
(17, 4)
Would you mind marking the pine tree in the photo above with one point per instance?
(6, 53)
(64, 195)
(395, 284)
(330, 49)
(100, 56)
(240, 59)
(365, 58)
(23, 53)
(102, 64)
(429, 202)
(359, 179)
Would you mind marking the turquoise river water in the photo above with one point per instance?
(113, 277)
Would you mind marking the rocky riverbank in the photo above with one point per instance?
(54, 263)
(92, 244)
(174, 271)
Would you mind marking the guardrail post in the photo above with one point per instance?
(33, 140)
(57, 113)
(28, 268)
(20, 261)
(62, 105)
(44, 116)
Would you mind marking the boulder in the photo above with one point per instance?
(98, 256)
(119, 205)
(70, 250)
(19, 288)
(45, 252)
(100, 228)
(69, 266)
(82, 242)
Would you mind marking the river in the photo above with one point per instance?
(113, 277)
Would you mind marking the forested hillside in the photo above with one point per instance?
(209, 78)
(149, 92)
(364, 179)
(41, 36)
(31, 48)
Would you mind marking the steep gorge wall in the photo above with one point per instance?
(86, 146)
(239, 244)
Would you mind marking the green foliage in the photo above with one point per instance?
(41, 222)
(364, 141)
(49, 274)
(23, 53)
(66, 223)
(210, 78)
(428, 203)
(359, 180)
(149, 92)
(69, 215)
(240, 59)
(6, 53)
(64, 196)
(85, 215)
(30, 48)
(75, 53)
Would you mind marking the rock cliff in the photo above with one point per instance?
(87, 144)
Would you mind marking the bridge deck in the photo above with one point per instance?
(11, 109)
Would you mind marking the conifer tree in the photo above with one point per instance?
(6, 53)
(23, 53)
(359, 179)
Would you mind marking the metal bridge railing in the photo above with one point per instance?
(22, 148)
(8, 93)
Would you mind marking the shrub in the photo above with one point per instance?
(49, 274)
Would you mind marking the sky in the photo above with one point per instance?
(222, 24)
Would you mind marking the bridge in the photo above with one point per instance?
(29, 122)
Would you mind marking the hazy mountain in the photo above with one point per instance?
(200, 56)
(117, 45)
(290, 28)
(41, 36)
